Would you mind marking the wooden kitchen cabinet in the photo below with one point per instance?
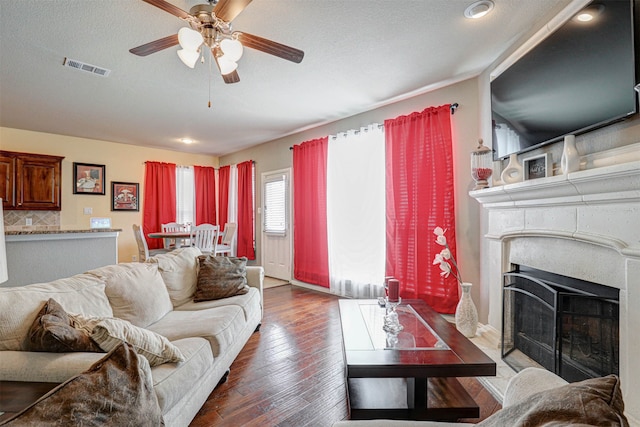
(30, 181)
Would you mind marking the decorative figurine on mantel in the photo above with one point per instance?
(481, 167)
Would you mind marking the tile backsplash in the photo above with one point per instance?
(40, 220)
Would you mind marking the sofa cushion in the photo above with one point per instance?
(136, 292)
(593, 402)
(172, 382)
(108, 333)
(82, 293)
(179, 270)
(116, 391)
(53, 331)
(249, 302)
(36, 366)
(220, 277)
(220, 325)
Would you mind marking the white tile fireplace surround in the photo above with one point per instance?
(584, 225)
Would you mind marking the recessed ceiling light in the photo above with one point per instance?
(589, 13)
(478, 9)
(187, 140)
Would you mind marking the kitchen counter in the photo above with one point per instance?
(36, 256)
(60, 234)
(61, 231)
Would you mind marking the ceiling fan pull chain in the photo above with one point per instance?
(209, 76)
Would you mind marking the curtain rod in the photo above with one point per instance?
(453, 107)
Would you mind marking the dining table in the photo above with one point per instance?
(179, 236)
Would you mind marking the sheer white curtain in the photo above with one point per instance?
(232, 215)
(185, 195)
(356, 212)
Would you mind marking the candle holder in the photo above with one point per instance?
(391, 322)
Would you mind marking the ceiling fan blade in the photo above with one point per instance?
(229, 78)
(268, 46)
(168, 7)
(155, 46)
(227, 10)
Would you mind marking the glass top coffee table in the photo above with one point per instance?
(412, 374)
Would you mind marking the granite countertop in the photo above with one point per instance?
(61, 231)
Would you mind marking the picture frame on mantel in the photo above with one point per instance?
(537, 166)
(125, 196)
(89, 178)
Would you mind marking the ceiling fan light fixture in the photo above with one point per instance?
(478, 9)
(232, 49)
(189, 39)
(189, 57)
(226, 66)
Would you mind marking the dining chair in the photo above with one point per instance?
(204, 237)
(225, 245)
(174, 227)
(143, 249)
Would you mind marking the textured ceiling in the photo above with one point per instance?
(359, 54)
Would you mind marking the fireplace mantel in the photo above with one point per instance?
(585, 225)
(603, 185)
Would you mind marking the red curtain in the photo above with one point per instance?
(223, 197)
(245, 233)
(205, 186)
(159, 199)
(420, 197)
(311, 255)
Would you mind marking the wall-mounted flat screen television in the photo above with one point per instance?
(579, 78)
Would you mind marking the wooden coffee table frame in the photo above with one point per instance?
(426, 378)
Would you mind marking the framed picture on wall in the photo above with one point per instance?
(88, 179)
(536, 166)
(124, 196)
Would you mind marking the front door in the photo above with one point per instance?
(276, 227)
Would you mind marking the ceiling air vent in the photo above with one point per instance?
(83, 66)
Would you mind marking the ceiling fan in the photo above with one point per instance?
(210, 27)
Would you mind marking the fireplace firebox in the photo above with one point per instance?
(566, 325)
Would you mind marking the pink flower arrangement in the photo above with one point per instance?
(445, 259)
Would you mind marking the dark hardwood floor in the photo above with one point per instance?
(291, 372)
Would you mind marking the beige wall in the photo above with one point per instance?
(276, 155)
(122, 163)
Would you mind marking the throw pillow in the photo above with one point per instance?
(220, 277)
(179, 271)
(116, 391)
(593, 402)
(136, 292)
(54, 331)
(108, 333)
(19, 305)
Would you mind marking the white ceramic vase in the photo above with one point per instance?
(570, 161)
(466, 313)
(513, 172)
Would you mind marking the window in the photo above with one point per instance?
(185, 195)
(275, 204)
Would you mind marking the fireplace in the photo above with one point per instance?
(566, 325)
(582, 225)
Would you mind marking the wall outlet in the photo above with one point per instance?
(29, 221)
(88, 211)
(134, 258)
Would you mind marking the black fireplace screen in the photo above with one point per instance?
(566, 325)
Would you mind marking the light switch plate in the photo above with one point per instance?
(88, 211)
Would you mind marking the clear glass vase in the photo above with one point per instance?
(466, 313)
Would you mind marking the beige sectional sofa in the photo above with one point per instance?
(156, 296)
